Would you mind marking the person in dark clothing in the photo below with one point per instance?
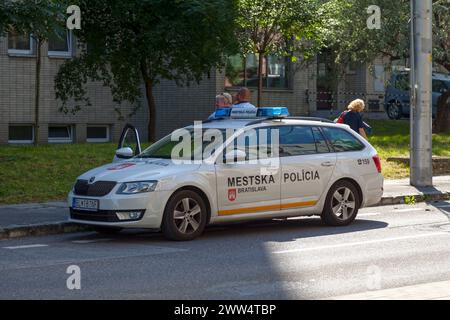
(353, 117)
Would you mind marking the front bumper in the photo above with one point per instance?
(151, 204)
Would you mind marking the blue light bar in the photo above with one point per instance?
(251, 113)
(223, 113)
(273, 112)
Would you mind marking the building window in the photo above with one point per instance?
(60, 134)
(60, 44)
(243, 71)
(20, 43)
(97, 134)
(20, 134)
(352, 67)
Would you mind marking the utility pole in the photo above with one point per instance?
(421, 165)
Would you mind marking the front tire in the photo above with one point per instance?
(341, 205)
(394, 111)
(185, 216)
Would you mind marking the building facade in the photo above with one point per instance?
(303, 90)
(97, 123)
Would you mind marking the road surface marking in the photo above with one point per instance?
(425, 291)
(90, 241)
(369, 214)
(410, 209)
(358, 243)
(26, 246)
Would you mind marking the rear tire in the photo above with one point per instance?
(341, 205)
(184, 217)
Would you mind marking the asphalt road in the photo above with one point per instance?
(386, 247)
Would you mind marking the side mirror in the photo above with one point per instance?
(125, 153)
(235, 155)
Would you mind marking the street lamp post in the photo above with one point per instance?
(421, 174)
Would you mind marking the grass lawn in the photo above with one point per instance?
(47, 172)
(391, 138)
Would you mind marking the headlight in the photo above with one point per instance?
(137, 187)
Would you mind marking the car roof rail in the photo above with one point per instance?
(311, 119)
(264, 120)
(290, 118)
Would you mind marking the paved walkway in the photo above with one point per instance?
(396, 190)
(33, 213)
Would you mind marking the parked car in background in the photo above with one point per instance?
(397, 98)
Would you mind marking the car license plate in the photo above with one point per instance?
(85, 204)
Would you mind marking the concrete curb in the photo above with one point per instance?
(12, 232)
(20, 231)
(413, 198)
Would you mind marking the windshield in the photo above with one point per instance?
(448, 84)
(186, 144)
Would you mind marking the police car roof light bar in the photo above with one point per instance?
(251, 113)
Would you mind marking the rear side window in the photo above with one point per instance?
(342, 140)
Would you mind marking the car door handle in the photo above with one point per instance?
(327, 164)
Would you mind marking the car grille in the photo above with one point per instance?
(100, 216)
(96, 189)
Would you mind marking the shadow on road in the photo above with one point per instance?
(265, 230)
(289, 230)
(443, 207)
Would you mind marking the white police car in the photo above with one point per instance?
(242, 165)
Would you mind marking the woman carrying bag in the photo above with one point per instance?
(352, 117)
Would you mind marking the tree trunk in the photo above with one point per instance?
(37, 91)
(260, 78)
(442, 121)
(151, 110)
(245, 70)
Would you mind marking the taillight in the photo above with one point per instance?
(377, 161)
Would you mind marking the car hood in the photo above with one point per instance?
(136, 170)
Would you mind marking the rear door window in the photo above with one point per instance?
(321, 142)
(296, 140)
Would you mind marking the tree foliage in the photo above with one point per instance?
(348, 35)
(144, 41)
(283, 27)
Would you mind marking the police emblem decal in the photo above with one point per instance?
(232, 194)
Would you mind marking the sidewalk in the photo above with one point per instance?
(49, 218)
(35, 219)
(395, 191)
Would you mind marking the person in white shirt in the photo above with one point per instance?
(243, 98)
(223, 100)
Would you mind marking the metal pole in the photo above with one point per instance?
(421, 174)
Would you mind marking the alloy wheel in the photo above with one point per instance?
(187, 215)
(343, 203)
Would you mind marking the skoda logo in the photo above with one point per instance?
(91, 180)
